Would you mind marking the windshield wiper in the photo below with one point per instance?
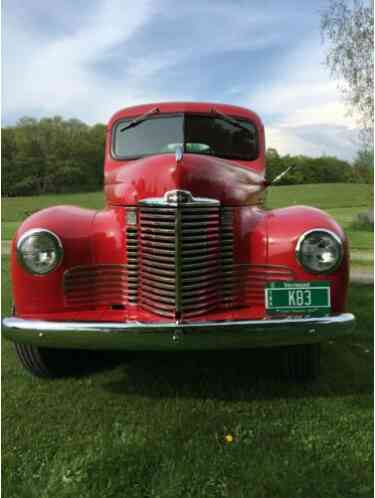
(228, 119)
(138, 120)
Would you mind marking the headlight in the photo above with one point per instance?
(319, 251)
(39, 251)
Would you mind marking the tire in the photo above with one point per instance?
(51, 363)
(301, 362)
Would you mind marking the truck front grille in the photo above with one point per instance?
(179, 263)
(180, 259)
(90, 286)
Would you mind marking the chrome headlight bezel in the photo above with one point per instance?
(335, 238)
(58, 247)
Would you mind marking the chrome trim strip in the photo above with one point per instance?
(193, 335)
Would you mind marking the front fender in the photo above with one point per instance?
(285, 226)
(44, 293)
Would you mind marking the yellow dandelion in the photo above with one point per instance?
(228, 438)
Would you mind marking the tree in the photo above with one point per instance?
(52, 155)
(363, 167)
(348, 27)
(324, 169)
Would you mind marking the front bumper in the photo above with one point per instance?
(170, 336)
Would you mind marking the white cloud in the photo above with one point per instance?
(45, 74)
(314, 140)
(330, 113)
(307, 113)
(57, 76)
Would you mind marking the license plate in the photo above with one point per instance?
(298, 297)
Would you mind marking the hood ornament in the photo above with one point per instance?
(179, 153)
(178, 197)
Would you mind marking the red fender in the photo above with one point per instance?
(285, 226)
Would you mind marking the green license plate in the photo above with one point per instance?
(298, 297)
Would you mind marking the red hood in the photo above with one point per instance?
(203, 176)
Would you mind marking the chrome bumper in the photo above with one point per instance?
(169, 336)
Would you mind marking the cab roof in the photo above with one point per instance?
(198, 107)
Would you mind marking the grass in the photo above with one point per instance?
(322, 195)
(359, 263)
(342, 201)
(351, 198)
(8, 229)
(154, 425)
(18, 208)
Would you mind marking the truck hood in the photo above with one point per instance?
(203, 176)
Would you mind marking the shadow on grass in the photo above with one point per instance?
(240, 375)
(85, 363)
(253, 374)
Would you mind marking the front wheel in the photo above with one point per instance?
(50, 363)
(301, 362)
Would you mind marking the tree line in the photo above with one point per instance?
(324, 169)
(53, 155)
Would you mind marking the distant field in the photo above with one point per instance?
(321, 195)
(324, 196)
(342, 201)
(18, 208)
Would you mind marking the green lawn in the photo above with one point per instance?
(18, 208)
(342, 201)
(154, 425)
(8, 229)
(321, 195)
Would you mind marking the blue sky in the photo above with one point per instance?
(88, 59)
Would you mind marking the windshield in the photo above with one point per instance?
(197, 134)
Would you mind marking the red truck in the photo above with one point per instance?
(184, 256)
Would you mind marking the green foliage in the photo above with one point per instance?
(363, 168)
(52, 155)
(325, 169)
(348, 28)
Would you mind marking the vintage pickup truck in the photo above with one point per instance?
(183, 256)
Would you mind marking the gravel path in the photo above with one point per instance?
(359, 276)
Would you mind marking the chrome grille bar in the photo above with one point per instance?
(179, 262)
(229, 284)
(132, 263)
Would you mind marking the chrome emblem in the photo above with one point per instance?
(178, 197)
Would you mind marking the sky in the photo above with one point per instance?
(86, 60)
